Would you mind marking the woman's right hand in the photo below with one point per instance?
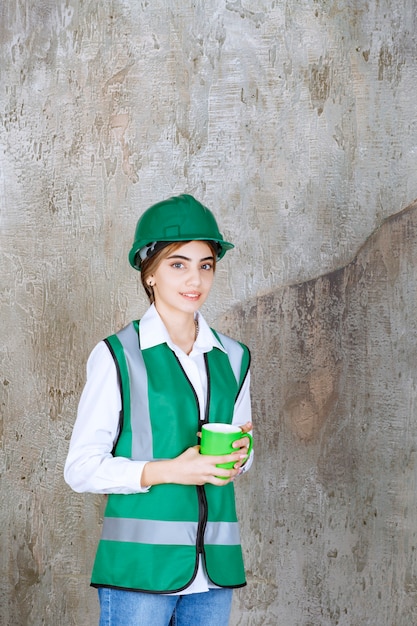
(191, 468)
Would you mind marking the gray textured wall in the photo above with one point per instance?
(296, 122)
(330, 519)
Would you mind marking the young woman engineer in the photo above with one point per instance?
(170, 549)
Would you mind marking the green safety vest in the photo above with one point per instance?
(152, 541)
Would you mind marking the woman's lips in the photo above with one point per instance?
(191, 295)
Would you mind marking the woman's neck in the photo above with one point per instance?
(182, 329)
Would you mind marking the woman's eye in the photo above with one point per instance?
(177, 265)
(207, 266)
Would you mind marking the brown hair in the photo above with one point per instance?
(150, 265)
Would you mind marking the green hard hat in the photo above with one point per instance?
(181, 218)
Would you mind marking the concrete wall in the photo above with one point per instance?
(296, 122)
(330, 520)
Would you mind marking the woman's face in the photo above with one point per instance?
(183, 279)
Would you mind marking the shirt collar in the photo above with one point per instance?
(152, 332)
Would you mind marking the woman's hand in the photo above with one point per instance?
(242, 445)
(246, 428)
(193, 468)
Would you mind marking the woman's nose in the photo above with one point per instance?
(194, 276)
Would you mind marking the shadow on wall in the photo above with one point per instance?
(332, 496)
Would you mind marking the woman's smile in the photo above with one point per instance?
(193, 296)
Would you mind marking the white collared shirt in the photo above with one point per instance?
(90, 465)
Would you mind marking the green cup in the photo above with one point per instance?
(217, 439)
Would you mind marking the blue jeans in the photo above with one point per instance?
(133, 608)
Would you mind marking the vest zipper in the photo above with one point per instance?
(202, 518)
(201, 494)
(206, 413)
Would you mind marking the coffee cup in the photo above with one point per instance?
(217, 439)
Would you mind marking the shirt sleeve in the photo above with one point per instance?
(90, 465)
(243, 414)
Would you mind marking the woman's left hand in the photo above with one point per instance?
(243, 444)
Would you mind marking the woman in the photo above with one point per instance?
(169, 551)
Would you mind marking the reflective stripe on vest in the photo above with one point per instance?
(141, 428)
(234, 352)
(168, 533)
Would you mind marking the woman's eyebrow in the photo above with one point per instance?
(186, 258)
